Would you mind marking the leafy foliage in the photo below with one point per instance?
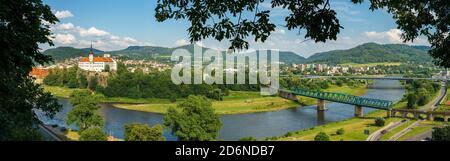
(93, 134)
(84, 113)
(420, 92)
(441, 134)
(250, 138)
(322, 136)
(195, 122)
(24, 24)
(236, 20)
(340, 131)
(143, 132)
(380, 121)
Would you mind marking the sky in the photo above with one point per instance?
(116, 24)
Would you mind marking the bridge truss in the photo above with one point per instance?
(343, 98)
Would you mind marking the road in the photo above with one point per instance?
(404, 131)
(48, 133)
(378, 134)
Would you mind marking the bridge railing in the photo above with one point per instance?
(344, 98)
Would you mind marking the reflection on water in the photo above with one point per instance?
(259, 125)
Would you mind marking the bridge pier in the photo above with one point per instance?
(358, 111)
(320, 105)
(389, 113)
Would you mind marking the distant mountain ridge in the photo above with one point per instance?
(61, 53)
(365, 53)
(374, 53)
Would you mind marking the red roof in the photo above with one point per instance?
(96, 59)
(39, 73)
(448, 103)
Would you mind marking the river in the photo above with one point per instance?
(259, 125)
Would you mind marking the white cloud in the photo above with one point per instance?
(391, 36)
(63, 14)
(65, 26)
(181, 42)
(65, 39)
(92, 32)
(130, 40)
(69, 34)
(280, 31)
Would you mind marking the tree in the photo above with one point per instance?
(93, 134)
(143, 132)
(84, 113)
(24, 24)
(237, 20)
(340, 131)
(441, 134)
(412, 101)
(196, 121)
(379, 122)
(250, 138)
(321, 136)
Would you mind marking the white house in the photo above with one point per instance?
(97, 64)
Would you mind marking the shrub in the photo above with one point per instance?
(250, 138)
(322, 137)
(379, 121)
(93, 134)
(340, 131)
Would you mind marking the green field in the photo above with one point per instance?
(371, 64)
(237, 102)
(353, 127)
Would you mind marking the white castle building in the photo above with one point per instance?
(97, 64)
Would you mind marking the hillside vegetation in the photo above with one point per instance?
(362, 54)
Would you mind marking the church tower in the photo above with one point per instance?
(91, 55)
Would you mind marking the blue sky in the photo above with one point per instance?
(117, 24)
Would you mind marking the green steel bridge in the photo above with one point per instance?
(341, 98)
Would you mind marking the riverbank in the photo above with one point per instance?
(237, 102)
(240, 102)
(354, 129)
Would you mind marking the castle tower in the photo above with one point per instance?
(91, 55)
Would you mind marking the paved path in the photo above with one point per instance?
(404, 131)
(378, 134)
(49, 133)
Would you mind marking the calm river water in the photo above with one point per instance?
(259, 125)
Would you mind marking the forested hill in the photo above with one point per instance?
(365, 53)
(62, 53)
(151, 52)
(372, 53)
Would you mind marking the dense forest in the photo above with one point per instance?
(420, 92)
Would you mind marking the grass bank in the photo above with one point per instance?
(237, 102)
(354, 129)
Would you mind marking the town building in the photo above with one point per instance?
(97, 64)
(39, 75)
